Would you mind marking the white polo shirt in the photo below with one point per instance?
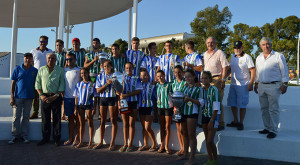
(39, 57)
(240, 73)
(72, 77)
(273, 68)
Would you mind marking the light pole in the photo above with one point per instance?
(298, 60)
(54, 31)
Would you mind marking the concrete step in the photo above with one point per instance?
(5, 109)
(230, 142)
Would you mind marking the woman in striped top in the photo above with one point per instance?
(146, 98)
(165, 110)
(210, 116)
(132, 88)
(190, 110)
(177, 85)
(107, 100)
(83, 93)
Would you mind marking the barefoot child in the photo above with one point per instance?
(165, 110)
(146, 98)
(190, 110)
(132, 88)
(107, 100)
(83, 93)
(177, 85)
(210, 116)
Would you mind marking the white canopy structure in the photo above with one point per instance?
(53, 13)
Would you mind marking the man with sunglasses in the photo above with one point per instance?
(72, 77)
(39, 59)
(241, 83)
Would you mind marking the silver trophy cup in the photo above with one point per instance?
(177, 99)
(117, 80)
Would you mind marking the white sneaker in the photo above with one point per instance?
(26, 141)
(12, 141)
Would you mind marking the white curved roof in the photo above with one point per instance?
(45, 13)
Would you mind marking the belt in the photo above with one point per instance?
(216, 76)
(49, 94)
(273, 82)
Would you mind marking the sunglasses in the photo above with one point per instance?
(69, 59)
(43, 42)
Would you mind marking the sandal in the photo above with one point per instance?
(232, 124)
(79, 145)
(143, 148)
(161, 150)
(98, 146)
(68, 142)
(130, 149)
(179, 153)
(90, 146)
(112, 148)
(75, 143)
(169, 152)
(123, 148)
(152, 149)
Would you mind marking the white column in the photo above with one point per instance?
(134, 15)
(14, 38)
(129, 29)
(298, 60)
(56, 33)
(92, 34)
(68, 30)
(61, 19)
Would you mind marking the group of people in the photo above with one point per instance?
(82, 85)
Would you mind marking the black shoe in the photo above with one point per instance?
(271, 135)
(240, 126)
(42, 142)
(57, 143)
(220, 128)
(232, 124)
(264, 131)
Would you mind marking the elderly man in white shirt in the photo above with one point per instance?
(241, 83)
(271, 80)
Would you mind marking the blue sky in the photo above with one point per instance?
(158, 17)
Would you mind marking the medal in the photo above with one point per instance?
(143, 101)
(158, 102)
(134, 65)
(189, 103)
(134, 54)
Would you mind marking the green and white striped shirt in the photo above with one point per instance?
(80, 57)
(163, 95)
(177, 86)
(118, 63)
(95, 67)
(60, 59)
(211, 101)
(190, 108)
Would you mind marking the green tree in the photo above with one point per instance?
(123, 45)
(211, 22)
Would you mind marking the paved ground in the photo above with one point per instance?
(31, 154)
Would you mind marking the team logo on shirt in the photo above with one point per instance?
(158, 102)
(107, 90)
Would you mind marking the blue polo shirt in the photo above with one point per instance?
(25, 80)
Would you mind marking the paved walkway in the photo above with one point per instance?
(31, 154)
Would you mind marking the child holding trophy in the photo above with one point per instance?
(107, 101)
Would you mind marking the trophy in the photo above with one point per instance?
(117, 79)
(102, 59)
(177, 99)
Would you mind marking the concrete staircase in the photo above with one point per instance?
(230, 142)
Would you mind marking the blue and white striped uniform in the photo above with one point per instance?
(149, 63)
(131, 84)
(136, 58)
(84, 92)
(101, 81)
(164, 62)
(196, 60)
(147, 95)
